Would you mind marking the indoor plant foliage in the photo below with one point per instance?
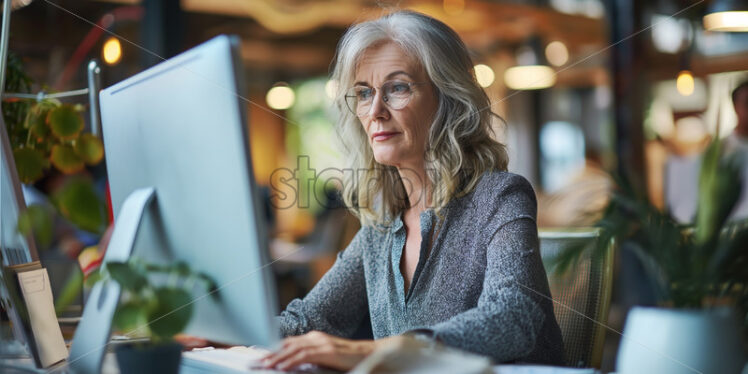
(156, 299)
(699, 273)
(54, 138)
(157, 303)
(47, 134)
(691, 266)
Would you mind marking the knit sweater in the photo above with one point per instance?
(480, 286)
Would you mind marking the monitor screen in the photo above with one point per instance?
(16, 248)
(180, 127)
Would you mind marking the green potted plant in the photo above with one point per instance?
(47, 134)
(699, 273)
(49, 144)
(156, 303)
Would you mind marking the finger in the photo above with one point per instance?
(294, 340)
(290, 346)
(277, 357)
(298, 340)
(307, 355)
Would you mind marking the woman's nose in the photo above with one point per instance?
(378, 108)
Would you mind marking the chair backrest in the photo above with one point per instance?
(582, 294)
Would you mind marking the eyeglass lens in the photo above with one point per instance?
(395, 94)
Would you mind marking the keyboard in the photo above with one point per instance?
(235, 360)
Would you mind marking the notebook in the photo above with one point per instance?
(35, 312)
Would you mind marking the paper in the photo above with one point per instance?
(37, 294)
(15, 306)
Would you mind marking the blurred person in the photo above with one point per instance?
(582, 201)
(737, 143)
(682, 171)
(448, 248)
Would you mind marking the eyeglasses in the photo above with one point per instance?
(395, 94)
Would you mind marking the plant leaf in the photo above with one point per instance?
(719, 186)
(70, 291)
(36, 120)
(211, 286)
(77, 201)
(65, 159)
(172, 314)
(37, 113)
(130, 316)
(126, 276)
(37, 220)
(182, 269)
(30, 164)
(65, 122)
(92, 278)
(89, 148)
(39, 132)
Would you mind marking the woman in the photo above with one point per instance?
(448, 247)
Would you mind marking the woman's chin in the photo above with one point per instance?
(387, 160)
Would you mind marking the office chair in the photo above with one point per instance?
(581, 294)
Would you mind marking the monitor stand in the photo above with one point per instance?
(92, 334)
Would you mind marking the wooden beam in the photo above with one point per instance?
(508, 22)
(719, 64)
(511, 22)
(283, 18)
(583, 77)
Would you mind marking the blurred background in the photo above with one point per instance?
(588, 88)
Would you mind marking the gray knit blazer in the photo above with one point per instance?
(480, 286)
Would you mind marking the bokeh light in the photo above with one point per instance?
(112, 51)
(484, 75)
(280, 97)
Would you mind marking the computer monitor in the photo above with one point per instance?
(14, 247)
(180, 128)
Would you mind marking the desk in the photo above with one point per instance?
(26, 365)
(19, 365)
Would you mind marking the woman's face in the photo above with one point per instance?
(397, 137)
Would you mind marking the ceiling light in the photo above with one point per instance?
(726, 15)
(726, 21)
(529, 77)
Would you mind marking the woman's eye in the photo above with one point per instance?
(365, 94)
(399, 88)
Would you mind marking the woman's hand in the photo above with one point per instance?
(320, 349)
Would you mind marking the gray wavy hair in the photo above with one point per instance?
(459, 146)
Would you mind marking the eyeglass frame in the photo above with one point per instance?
(379, 89)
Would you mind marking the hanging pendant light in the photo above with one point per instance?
(727, 15)
(531, 72)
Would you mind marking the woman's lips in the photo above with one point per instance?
(383, 135)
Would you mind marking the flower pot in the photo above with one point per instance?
(149, 358)
(668, 341)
